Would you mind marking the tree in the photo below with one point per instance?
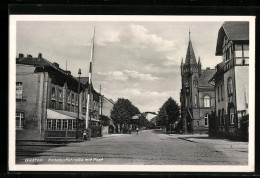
(104, 120)
(122, 112)
(168, 113)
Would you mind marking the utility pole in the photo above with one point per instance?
(90, 84)
(101, 100)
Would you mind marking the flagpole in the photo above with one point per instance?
(90, 82)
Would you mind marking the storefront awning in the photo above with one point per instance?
(61, 114)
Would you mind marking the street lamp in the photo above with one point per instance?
(77, 121)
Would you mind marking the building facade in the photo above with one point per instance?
(47, 100)
(231, 79)
(106, 106)
(197, 96)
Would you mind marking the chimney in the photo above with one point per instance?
(56, 64)
(40, 55)
(21, 55)
(29, 56)
(208, 68)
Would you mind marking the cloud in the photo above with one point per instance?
(139, 37)
(148, 100)
(108, 37)
(128, 74)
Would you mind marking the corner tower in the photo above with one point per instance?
(190, 72)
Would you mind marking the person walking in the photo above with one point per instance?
(137, 130)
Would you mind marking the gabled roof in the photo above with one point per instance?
(219, 67)
(205, 76)
(235, 31)
(58, 75)
(190, 56)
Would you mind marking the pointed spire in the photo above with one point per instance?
(199, 61)
(189, 34)
(181, 60)
(190, 56)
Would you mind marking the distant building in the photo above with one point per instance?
(106, 106)
(47, 100)
(232, 78)
(197, 96)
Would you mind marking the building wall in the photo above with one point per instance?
(242, 83)
(31, 105)
(106, 107)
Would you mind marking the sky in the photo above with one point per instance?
(136, 60)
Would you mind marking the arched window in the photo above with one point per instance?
(195, 100)
(60, 94)
(206, 119)
(195, 82)
(229, 86)
(53, 93)
(206, 101)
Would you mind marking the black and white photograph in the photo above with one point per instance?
(131, 93)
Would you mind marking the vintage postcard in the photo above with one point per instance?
(131, 93)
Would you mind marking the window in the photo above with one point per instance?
(218, 94)
(65, 125)
(19, 120)
(53, 93)
(19, 90)
(229, 86)
(195, 100)
(70, 124)
(186, 83)
(83, 99)
(222, 116)
(242, 54)
(68, 96)
(195, 82)
(206, 101)
(60, 94)
(53, 124)
(74, 125)
(206, 119)
(228, 54)
(48, 124)
(221, 91)
(219, 116)
(58, 124)
(232, 116)
(72, 98)
(77, 98)
(198, 123)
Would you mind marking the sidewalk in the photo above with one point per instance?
(234, 149)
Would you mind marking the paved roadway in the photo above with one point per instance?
(147, 148)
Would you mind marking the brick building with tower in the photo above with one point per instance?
(197, 96)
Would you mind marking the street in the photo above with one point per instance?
(149, 147)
